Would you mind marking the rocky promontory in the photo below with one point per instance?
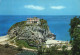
(31, 30)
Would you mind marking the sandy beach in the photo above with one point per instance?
(4, 38)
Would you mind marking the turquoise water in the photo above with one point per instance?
(59, 25)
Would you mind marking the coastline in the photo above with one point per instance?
(4, 40)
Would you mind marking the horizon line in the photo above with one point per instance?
(41, 15)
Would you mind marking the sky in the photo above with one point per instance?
(39, 7)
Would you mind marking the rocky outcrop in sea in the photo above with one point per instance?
(31, 32)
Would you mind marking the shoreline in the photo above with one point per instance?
(3, 41)
(4, 38)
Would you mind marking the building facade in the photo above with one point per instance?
(50, 43)
(33, 20)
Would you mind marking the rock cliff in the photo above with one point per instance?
(31, 32)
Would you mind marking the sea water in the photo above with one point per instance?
(59, 25)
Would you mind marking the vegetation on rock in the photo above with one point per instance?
(20, 24)
(32, 34)
(23, 43)
(43, 24)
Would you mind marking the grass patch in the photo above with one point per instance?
(24, 43)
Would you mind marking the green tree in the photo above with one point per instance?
(64, 50)
(40, 52)
(76, 42)
(75, 35)
(54, 50)
(74, 22)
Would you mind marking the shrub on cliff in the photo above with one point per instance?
(19, 48)
(6, 45)
(23, 23)
(23, 43)
(43, 24)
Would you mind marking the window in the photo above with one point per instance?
(35, 21)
